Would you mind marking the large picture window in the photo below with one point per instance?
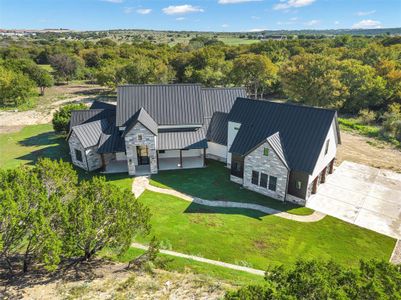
(272, 183)
(263, 180)
(78, 155)
(255, 177)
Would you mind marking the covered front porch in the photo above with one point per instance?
(181, 159)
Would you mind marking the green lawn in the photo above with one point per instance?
(35, 141)
(183, 265)
(250, 238)
(214, 183)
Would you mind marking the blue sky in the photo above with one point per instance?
(206, 15)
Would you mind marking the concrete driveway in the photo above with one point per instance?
(362, 195)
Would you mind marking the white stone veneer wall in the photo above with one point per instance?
(131, 142)
(270, 165)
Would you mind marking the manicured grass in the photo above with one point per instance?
(183, 265)
(250, 238)
(32, 142)
(213, 183)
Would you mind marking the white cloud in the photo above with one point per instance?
(143, 11)
(336, 22)
(236, 1)
(256, 29)
(114, 1)
(287, 4)
(128, 10)
(225, 25)
(180, 19)
(367, 24)
(255, 18)
(365, 13)
(312, 22)
(294, 19)
(181, 9)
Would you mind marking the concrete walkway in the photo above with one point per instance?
(396, 256)
(141, 184)
(204, 260)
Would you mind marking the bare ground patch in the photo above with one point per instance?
(368, 151)
(114, 281)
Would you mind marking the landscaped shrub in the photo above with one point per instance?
(61, 118)
(366, 117)
(326, 280)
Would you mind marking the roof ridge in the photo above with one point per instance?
(290, 104)
(161, 84)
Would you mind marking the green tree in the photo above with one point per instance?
(65, 66)
(313, 79)
(103, 215)
(326, 280)
(15, 87)
(254, 71)
(61, 118)
(43, 79)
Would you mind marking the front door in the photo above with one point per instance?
(143, 155)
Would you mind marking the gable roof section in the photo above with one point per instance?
(89, 133)
(79, 117)
(217, 130)
(111, 140)
(170, 104)
(220, 99)
(275, 142)
(144, 118)
(102, 105)
(184, 139)
(302, 129)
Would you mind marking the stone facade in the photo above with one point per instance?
(91, 160)
(132, 141)
(295, 200)
(236, 179)
(271, 165)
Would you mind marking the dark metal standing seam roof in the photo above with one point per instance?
(103, 105)
(275, 142)
(144, 118)
(220, 99)
(89, 133)
(217, 129)
(302, 129)
(184, 139)
(172, 104)
(111, 140)
(79, 117)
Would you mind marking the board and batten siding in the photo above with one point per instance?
(91, 160)
(232, 131)
(216, 151)
(271, 165)
(131, 142)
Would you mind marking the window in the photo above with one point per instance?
(272, 183)
(327, 147)
(298, 185)
(162, 151)
(236, 128)
(78, 155)
(266, 151)
(263, 180)
(139, 137)
(255, 177)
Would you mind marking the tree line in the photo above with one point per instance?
(346, 73)
(47, 215)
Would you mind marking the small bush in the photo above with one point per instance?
(61, 118)
(366, 117)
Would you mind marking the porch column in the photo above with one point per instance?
(314, 187)
(331, 168)
(204, 157)
(323, 179)
(180, 158)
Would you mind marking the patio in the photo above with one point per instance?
(173, 163)
(116, 166)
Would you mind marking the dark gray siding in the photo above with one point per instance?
(293, 178)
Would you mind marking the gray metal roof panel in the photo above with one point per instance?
(185, 139)
(144, 118)
(79, 117)
(170, 104)
(89, 133)
(302, 129)
(217, 129)
(220, 99)
(275, 142)
(111, 141)
(103, 105)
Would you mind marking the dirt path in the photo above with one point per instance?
(368, 151)
(12, 121)
(205, 260)
(141, 183)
